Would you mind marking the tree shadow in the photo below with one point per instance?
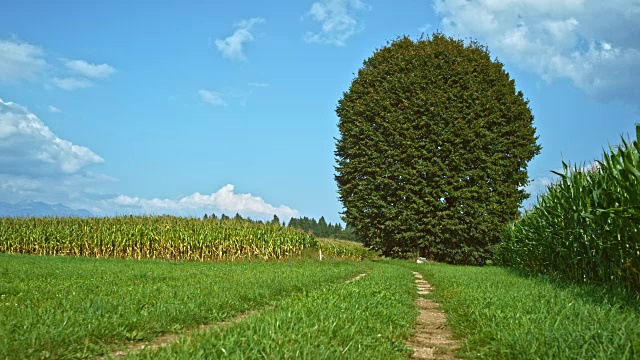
(596, 294)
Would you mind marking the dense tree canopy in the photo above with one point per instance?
(433, 150)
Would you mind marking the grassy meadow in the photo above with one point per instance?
(63, 307)
(81, 308)
(366, 319)
(500, 313)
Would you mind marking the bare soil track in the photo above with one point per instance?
(433, 340)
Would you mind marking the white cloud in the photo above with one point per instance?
(71, 83)
(425, 28)
(23, 61)
(337, 20)
(232, 46)
(83, 70)
(211, 97)
(54, 109)
(89, 70)
(29, 147)
(20, 60)
(36, 164)
(259, 84)
(224, 200)
(77, 190)
(591, 43)
(594, 166)
(539, 185)
(17, 187)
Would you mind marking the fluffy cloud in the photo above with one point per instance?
(20, 60)
(89, 70)
(232, 46)
(36, 164)
(211, 97)
(78, 190)
(538, 186)
(83, 70)
(337, 21)
(71, 83)
(540, 183)
(29, 147)
(592, 43)
(16, 187)
(23, 61)
(224, 200)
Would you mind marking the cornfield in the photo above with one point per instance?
(151, 237)
(586, 226)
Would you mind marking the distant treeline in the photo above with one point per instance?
(319, 228)
(237, 216)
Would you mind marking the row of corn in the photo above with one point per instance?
(151, 237)
(586, 226)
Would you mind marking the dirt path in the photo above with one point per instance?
(433, 340)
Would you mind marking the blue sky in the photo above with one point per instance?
(204, 106)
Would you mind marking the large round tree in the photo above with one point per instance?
(433, 150)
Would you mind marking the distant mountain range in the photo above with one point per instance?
(38, 209)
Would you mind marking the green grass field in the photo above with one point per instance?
(366, 319)
(502, 314)
(81, 308)
(62, 307)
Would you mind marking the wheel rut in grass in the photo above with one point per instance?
(433, 339)
(168, 339)
(356, 278)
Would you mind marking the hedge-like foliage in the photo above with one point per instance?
(433, 150)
